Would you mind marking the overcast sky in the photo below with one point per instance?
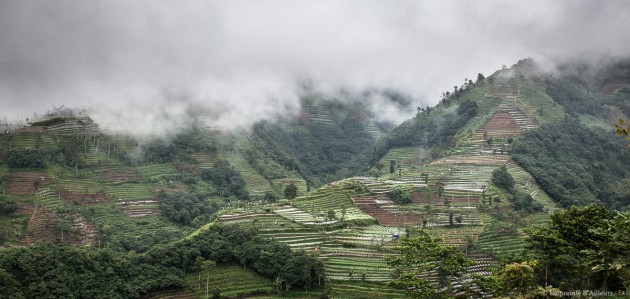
(239, 61)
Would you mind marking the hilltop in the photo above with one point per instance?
(494, 157)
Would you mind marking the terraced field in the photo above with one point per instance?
(335, 197)
(358, 289)
(256, 183)
(373, 235)
(385, 211)
(25, 182)
(156, 172)
(171, 294)
(405, 157)
(500, 241)
(355, 264)
(233, 281)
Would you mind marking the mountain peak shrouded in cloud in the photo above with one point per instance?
(133, 62)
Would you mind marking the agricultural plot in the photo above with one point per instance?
(501, 124)
(385, 211)
(76, 182)
(355, 264)
(357, 289)
(374, 131)
(316, 114)
(405, 157)
(301, 216)
(298, 240)
(72, 127)
(233, 281)
(116, 174)
(171, 294)
(500, 241)
(72, 228)
(373, 235)
(156, 172)
(526, 183)
(474, 159)
(128, 191)
(19, 140)
(49, 199)
(263, 221)
(256, 184)
(281, 184)
(139, 208)
(42, 226)
(331, 197)
(118, 226)
(204, 159)
(82, 199)
(458, 236)
(27, 182)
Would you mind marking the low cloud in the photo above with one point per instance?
(146, 64)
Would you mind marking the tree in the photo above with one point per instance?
(7, 206)
(420, 254)
(9, 286)
(562, 245)
(290, 191)
(613, 248)
(516, 280)
(503, 179)
(379, 168)
(480, 77)
(399, 196)
(392, 166)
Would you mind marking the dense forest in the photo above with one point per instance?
(317, 151)
(576, 165)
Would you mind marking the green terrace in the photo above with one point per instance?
(256, 183)
(232, 281)
(157, 172)
(501, 239)
(373, 235)
(358, 289)
(355, 264)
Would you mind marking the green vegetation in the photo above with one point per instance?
(27, 158)
(185, 208)
(575, 164)
(305, 148)
(7, 206)
(399, 196)
(217, 214)
(48, 270)
(226, 179)
(420, 255)
(520, 200)
(45, 270)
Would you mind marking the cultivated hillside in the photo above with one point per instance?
(332, 190)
